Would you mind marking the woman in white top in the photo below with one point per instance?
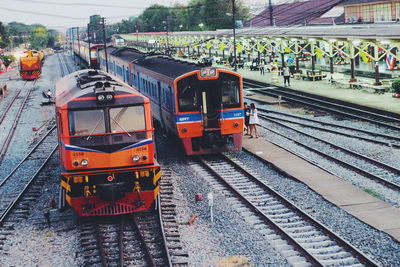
(253, 120)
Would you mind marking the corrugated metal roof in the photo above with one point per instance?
(372, 31)
(293, 14)
(355, 2)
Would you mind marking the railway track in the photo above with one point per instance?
(374, 169)
(130, 240)
(349, 131)
(381, 118)
(14, 125)
(14, 187)
(299, 237)
(3, 115)
(148, 238)
(63, 64)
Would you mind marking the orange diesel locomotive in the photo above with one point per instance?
(106, 145)
(30, 66)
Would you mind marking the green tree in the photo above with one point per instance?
(4, 36)
(20, 32)
(39, 37)
(7, 60)
(154, 18)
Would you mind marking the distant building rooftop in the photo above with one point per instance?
(297, 13)
(355, 2)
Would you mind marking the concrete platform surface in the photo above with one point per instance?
(353, 200)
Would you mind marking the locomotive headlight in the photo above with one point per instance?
(136, 158)
(100, 98)
(84, 162)
(109, 97)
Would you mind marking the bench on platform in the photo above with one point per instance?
(313, 75)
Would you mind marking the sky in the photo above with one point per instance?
(63, 14)
(71, 13)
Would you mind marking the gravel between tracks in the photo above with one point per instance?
(389, 155)
(34, 115)
(228, 239)
(33, 242)
(371, 241)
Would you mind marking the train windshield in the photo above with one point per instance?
(188, 98)
(230, 94)
(194, 94)
(86, 122)
(126, 119)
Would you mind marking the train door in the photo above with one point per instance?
(160, 105)
(211, 104)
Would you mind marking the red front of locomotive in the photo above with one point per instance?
(106, 145)
(209, 117)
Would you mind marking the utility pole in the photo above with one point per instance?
(167, 28)
(79, 46)
(90, 53)
(137, 35)
(105, 42)
(234, 35)
(271, 9)
(73, 43)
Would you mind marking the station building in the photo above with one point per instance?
(371, 11)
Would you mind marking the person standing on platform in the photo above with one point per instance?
(290, 63)
(246, 118)
(262, 66)
(253, 121)
(274, 73)
(286, 75)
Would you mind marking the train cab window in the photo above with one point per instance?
(230, 94)
(188, 98)
(86, 122)
(127, 119)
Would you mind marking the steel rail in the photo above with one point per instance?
(100, 242)
(27, 156)
(66, 64)
(9, 106)
(146, 249)
(121, 243)
(291, 206)
(311, 102)
(10, 134)
(364, 172)
(397, 138)
(380, 142)
(168, 256)
(10, 206)
(61, 66)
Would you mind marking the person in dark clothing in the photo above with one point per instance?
(246, 117)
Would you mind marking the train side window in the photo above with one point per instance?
(169, 97)
(60, 125)
(230, 94)
(86, 122)
(188, 98)
(124, 119)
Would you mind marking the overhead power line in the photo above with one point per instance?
(54, 15)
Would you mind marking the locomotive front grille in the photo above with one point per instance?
(113, 208)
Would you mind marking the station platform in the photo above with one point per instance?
(353, 200)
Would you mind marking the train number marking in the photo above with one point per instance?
(184, 119)
(78, 154)
(141, 149)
